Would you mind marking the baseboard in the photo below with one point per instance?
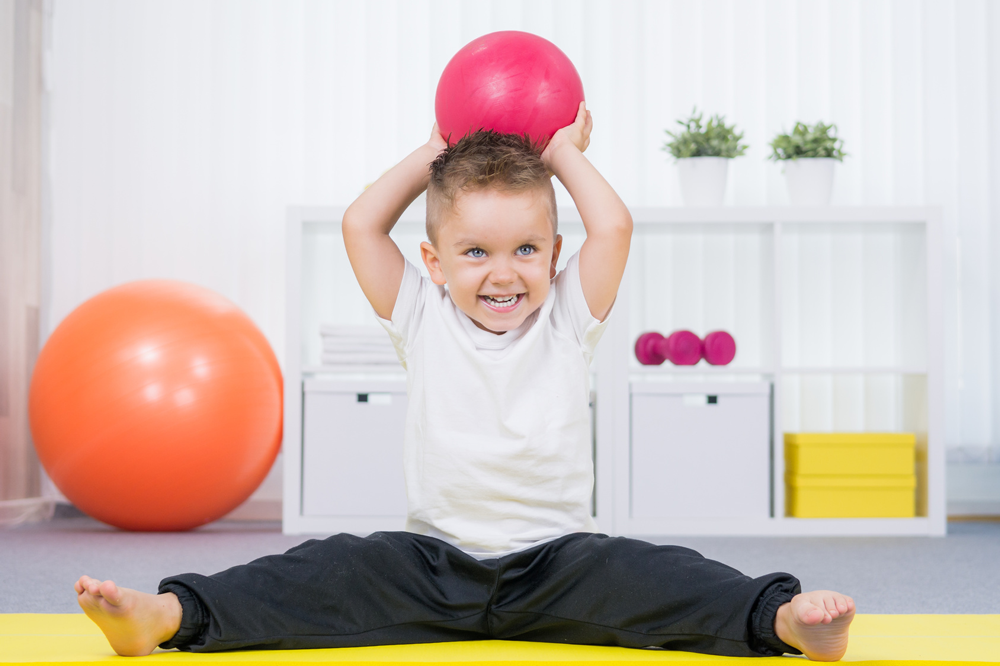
(29, 510)
(968, 510)
(973, 489)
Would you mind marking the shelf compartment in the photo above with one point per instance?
(352, 449)
(854, 402)
(684, 435)
(853, 295)
(705, 278)
(891, 403)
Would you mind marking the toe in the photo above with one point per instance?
(111, 592)
(830, 608)
(87, 601)
(812, 614)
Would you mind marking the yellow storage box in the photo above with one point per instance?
(842, 454)
(850, 475)
(867, 496)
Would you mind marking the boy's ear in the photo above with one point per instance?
(556, 248)
(432, 261)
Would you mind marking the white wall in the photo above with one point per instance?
(182, 130)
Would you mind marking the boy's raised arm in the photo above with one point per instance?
(605, 217)
(377, 262)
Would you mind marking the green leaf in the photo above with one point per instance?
(806, 141)
(715, 139)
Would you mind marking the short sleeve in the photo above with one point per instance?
(406, 311)
(571, 312)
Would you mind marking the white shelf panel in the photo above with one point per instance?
(784, 214)
(856, 370)
(805, 527)
(642, 215)
(353, 369)
(357, 525)
(700, 369)
(412, 218)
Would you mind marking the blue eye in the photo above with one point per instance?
(476, 249)
(530, 249)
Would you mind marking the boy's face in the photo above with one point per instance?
(496, 253)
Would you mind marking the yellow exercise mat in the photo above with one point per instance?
(875, 639)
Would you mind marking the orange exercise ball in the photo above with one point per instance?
(156, 405)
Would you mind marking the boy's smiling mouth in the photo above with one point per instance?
(501, 303)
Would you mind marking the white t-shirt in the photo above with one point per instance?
(497, 445)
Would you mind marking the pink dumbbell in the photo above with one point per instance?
(680, 348)
(650, 348)
(719, 348)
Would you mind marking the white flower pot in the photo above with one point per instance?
(703, 180)
(809, 180)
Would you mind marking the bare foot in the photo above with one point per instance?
(816, 623)
(133, 622)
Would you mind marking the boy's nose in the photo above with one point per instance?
(502, 273)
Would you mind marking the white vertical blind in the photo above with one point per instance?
(23, 104)
(182, 129)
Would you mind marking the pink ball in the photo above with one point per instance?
(511, 82)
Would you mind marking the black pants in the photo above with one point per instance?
(396, 587)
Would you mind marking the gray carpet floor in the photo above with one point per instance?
(956, 574)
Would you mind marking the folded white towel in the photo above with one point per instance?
(334, 358)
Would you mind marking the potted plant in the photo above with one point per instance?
(703, 155)
(808, 155)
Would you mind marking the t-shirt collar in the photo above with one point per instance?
(486, 340)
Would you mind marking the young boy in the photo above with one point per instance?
(499, 541)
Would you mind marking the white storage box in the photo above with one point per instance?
(701, 450)
(352, 449)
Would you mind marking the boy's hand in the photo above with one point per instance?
(437, 142)
(577, 134)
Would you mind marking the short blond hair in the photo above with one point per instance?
(486, 160)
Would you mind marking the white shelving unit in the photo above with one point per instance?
(837, 308)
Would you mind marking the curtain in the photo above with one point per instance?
(182, 129)
(21, 103)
